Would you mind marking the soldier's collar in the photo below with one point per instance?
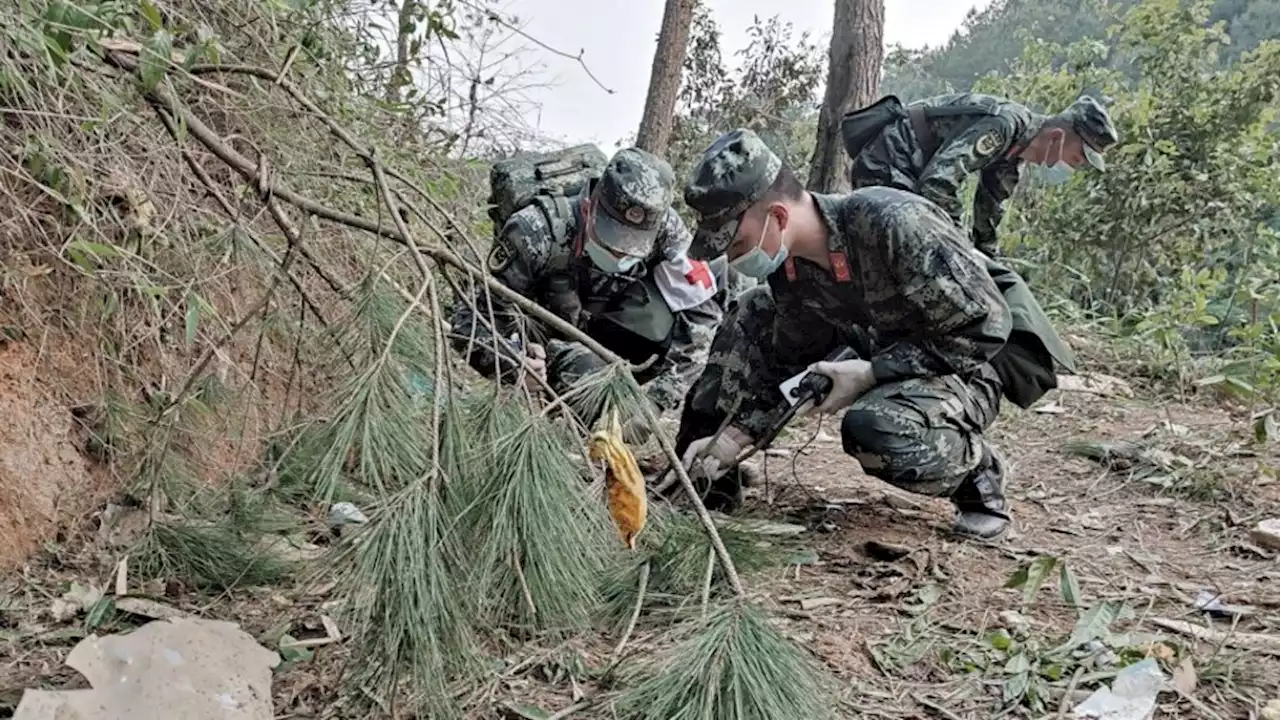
(837, 255)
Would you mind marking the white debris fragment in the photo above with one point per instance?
(180, 668)
(1131, 697)
(344, 513)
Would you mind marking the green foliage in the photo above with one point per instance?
(992, 40)
(733, 664)
(541, 542)
(773, 90)
(375, 437)
(679, 554)
(403, 578)
(1170, 239)
(216, 556)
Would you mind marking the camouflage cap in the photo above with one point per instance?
(732, 174)
(631, 199)
(1093, 124)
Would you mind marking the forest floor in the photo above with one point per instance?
(902, 614)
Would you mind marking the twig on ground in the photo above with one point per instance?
(635, 611)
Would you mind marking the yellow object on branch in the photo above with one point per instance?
(624, 483)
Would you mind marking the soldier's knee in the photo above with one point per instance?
(880, 431)
(896, 443)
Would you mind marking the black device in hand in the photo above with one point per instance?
(815, 385)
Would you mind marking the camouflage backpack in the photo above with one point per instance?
(547, 179)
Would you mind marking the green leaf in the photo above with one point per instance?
(195, 307)
(1000, 640)
(1069, 585)
(99, 250)
(1092, 625)
(1264, 428)
(1033, 577)
(1017, 579)
(155, 60)
(99, 613)
(291, 653)
(1017, 664)
(152, 14)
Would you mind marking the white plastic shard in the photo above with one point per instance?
(179, 668)
(1132, 696)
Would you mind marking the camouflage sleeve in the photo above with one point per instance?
(790, 345)
(511, 263)
(967, 153)
(961, 320)
(674, 239)
(687, 356)
(995, 185)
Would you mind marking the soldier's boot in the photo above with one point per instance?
(982, 509)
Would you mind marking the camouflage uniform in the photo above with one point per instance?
(906, 292)
(969, 133)
(548, 264)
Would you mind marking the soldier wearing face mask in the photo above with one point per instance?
(940, 333)
(932, 146)
(612, 261)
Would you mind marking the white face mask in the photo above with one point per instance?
(756, 262)
(607, 261)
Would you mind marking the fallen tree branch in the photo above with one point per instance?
(253, 173)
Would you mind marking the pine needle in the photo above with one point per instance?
(601, 392)
(676, 546)
(405, 603)
(541, 539)
(377, 436)
(734, 664)
(214, 556)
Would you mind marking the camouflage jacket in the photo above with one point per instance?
(905, 291)
(527, 255)
(986, 142)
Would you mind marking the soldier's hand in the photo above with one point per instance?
(718, 456)
(849, 378)
(536, 360)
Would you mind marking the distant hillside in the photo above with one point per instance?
(991, 39)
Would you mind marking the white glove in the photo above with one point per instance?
(849, 378)
(536, 360)
(719, 456)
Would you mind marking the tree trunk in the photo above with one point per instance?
(664, 78)
(400, 75)
(853, 81)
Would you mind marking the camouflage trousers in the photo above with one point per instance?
(924, 435)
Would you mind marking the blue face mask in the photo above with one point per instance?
(607, 261)
(756, 263)
(1052, 173)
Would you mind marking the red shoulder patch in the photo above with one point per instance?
(840, 266)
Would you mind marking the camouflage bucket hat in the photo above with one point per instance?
(732, 175)
(1093, 124)
(631, 199)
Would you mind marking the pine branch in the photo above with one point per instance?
(250, 171)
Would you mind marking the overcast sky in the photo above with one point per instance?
(617, 38)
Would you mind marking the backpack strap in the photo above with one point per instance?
(921, 115)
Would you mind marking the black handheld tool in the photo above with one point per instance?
(810, 391)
